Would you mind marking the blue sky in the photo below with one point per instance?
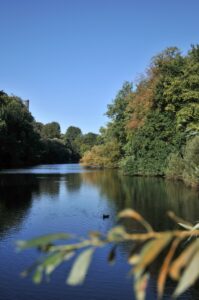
(70, 57)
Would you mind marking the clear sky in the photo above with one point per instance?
(70, 57)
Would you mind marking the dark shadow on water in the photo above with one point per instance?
(15, 200)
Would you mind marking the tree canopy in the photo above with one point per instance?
(157, 118)
(23, 141)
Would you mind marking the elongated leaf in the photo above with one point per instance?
(183, 260)
(116, 234)
(185, 226)
(190, 275)
(165, 268)
(54, 260)
(41, 241)
(193, 229)
(140, 287)
(134, 259)
(150, 251)
(178, 219)
(80, 267)
(130, 213)
(69, 247)
(37, 276)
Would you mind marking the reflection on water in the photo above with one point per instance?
(152, 197)
(15, 201)
(56, 198)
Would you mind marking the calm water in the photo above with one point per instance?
(54, 198)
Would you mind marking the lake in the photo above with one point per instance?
(56, 198)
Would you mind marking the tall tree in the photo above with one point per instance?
(51, 130)
(19, 143)
(72, 133)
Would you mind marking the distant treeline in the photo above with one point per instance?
(23, 141)
(154, 126)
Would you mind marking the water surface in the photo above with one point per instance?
(53, 198)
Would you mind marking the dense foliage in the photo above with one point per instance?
(23, 141)
(152, 127)
(156, 121)
(111, 142)
(19, 143)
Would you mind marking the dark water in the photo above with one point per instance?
(48, 199)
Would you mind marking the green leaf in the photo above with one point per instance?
(80, 267)
(41, 241)
(116, 234)
(54, 260)
(37, 276)
(189, 276)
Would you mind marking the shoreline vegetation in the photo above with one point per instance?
(26, 142)
(154, 125)
(153, 128)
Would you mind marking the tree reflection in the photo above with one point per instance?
(48, 184)
(151, 197)
(73, 182)
(15, 200)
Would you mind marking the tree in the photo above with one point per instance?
(113, 136)
(164, 112)
(54, 152)
(102, 156)
(38, 127)
(117, 113)
(86, 141)
(51, 130)
(71, 138)
(19, 143)
(72, 133)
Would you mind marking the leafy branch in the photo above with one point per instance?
(180, 262)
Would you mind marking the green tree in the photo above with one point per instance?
(72, 133)
(118, 116)
(113, 136)
(51, 130)
(171, 117)
(71, 138)
(86, 141)
(19, 143)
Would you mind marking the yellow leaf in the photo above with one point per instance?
(80, 267)
(183, 260)
(140, 287)
(165, 268)
(189, 276)
(150, 251)
(130, 213)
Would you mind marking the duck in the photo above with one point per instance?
(105, 216)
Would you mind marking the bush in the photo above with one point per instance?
(185, 168)
(191, 160)
(102, 156)
(175, 166)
